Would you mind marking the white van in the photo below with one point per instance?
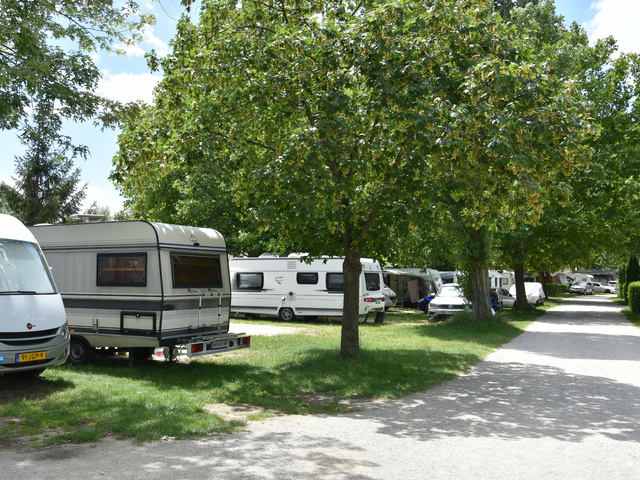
(288, 287)
(33, 324)
(138, 286)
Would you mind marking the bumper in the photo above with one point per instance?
(18, 355)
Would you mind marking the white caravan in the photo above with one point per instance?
(288, 287)
(33, 323)
(136, 286)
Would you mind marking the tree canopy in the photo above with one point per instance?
(328, 125)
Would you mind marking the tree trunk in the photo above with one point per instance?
(521, 294)
(479, 272)
(480, 287)
(350, 340)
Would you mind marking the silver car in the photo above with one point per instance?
(584, 288)
(505, 299)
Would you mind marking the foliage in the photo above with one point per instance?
(632, 274)
(633, 293)
(46, 187)
(551, 289)
(36, 62)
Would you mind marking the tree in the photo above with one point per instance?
(596, 210)
(46, 187)
(33, 37)
(515, 129)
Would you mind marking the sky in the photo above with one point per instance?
(127, 78)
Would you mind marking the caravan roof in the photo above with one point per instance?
(136, 233)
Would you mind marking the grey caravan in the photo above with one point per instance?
(412, 284)
(33, 324)
(139, 286)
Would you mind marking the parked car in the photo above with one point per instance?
(599, 288)
(534, 291)
(504, 298)
(448, 300)
(613, 284)
(390, 297)
(584, 288)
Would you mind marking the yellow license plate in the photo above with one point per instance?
(31, 357)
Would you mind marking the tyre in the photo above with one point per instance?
(380, 317)
(80, 352)
(287, 314)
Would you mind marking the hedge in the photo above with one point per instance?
(634, 296)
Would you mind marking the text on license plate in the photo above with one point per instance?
(30, 357)
(214, 345)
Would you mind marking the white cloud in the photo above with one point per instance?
(102, 198)
(128, 87)
(7, 179)
(619, 19)
(159, 45)
(131, 51)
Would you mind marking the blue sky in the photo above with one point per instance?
(126, 78)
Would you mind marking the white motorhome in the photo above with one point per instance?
(137, 286)
(288, 287)
(33, 323)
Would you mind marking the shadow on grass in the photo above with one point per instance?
(15, 387)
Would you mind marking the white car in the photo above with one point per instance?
(448, 300)
(534, 291)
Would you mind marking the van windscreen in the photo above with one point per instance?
(196, 271)
(22, 269)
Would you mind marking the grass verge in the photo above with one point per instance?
(152, 400)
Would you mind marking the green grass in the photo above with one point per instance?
(152, 400)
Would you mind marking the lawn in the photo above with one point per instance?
(152, 400)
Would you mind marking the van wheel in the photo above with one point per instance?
(286, 314)
(80, 352)
(380, 317)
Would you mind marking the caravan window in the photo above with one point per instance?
(124, 269)
(335, 282)
(249, 281)
(307, 278)
(196, 271)
(372, 281)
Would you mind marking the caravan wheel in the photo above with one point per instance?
(80, 352)
(287, 314)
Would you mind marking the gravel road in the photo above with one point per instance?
(562, 401)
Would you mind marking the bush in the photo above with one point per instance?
(551, 289)
(633, 295)
(563, 288)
